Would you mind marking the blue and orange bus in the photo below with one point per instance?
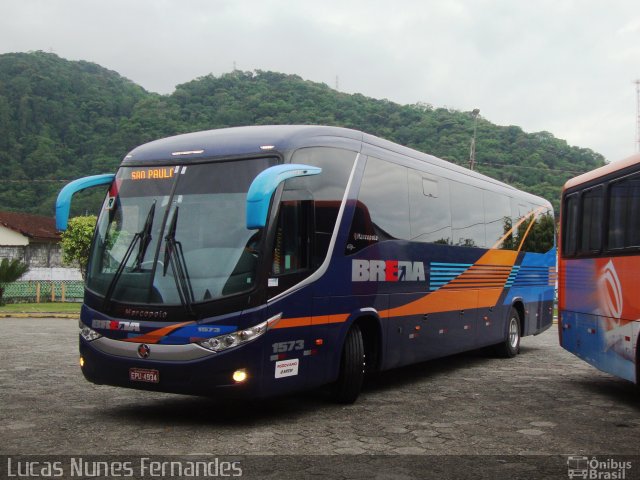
(599, 262)
(258, 261)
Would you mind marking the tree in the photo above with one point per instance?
(540, 237)
(76, 240)
(10, 271)
(62, 119)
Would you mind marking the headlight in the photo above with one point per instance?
(88, 334)
(229, 340)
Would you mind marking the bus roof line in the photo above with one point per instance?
(602, 171)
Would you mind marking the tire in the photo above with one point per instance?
(510, 347)
(349, 383)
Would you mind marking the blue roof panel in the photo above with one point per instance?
(231, 142)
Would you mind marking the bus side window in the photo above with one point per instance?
(430, 208)
(497, 219)
(618, 213)
(467, 215)
(328, 190)
(591, 225)
(624, 210)
(540, 237)
(382, 209)
(633, 232)
(570, 227)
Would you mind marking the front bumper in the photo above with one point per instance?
(185, 369)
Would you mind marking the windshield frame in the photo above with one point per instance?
(158, 245)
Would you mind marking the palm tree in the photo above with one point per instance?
(10, 271)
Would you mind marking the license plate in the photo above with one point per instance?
(144, 375)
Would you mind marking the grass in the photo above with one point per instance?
(41, 308)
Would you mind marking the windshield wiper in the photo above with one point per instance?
(144, 237)
(174, 255)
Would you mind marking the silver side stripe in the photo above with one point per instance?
(189, 351)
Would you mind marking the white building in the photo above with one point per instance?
(34, 240)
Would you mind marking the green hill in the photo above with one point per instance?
(60, 120)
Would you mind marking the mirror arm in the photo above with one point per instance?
(63, 203)
(263, 186)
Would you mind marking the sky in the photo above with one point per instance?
(564, 66)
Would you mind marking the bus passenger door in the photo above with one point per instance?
(290, 338)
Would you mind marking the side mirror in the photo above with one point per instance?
(263, 186)
(63, 203)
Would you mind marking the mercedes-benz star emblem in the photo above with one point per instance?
(144, 350)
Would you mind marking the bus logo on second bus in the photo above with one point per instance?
(386, 271)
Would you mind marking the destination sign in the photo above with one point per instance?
(158, 173)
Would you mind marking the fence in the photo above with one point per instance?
(44, 291)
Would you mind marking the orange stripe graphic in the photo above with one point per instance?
(155, 335)
(308, 321)
(479, 286)
(293, 322)
(459, 295)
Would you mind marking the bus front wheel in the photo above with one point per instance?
(349, 383)
(511, 345)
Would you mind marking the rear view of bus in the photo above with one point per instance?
(599, 306)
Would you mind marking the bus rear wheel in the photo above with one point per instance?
(511, 345)
(352, 364)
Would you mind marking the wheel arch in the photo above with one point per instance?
(518, 305)
(370, 325)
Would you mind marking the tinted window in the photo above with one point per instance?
(619, 202)
(327, 190)
(336, 167)
(497, 217)
(624, 211)
(591, 220)
(523, 210)
(570, 227)
(539, 237)
(291, 246)
(430, 209)
(467, 215)
(382, 210)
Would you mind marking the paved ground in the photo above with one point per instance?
(543, 405)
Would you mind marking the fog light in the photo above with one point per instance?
(240, 376)
(81, 362)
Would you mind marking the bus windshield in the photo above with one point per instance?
(176, 234)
